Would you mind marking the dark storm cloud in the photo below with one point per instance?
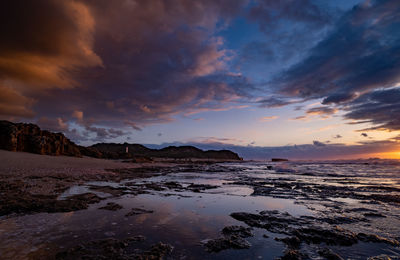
(103, 133)
(125, 63)
(42, 40)
(41, 43)
(361, 53)
(318, 143)
(121, 63)
(338, 98)
(272, 102)
(380, 108)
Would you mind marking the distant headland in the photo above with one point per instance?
(30, 138)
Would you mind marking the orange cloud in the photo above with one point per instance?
(13, 103)
(267, 118)
(49, 40)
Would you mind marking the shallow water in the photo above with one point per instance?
(184, 218)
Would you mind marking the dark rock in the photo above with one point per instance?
(317, 235)
(115, 191)
(157, 251)
(233, 237)
(273, 221)
(385, 198)
(223, 243)
(115, 249)
(138, 211)
(383, 257)
(25, 203)
(329, 254)
(30, 138)
(279, 160)
(376, 239)
(292, 255)
(305, 229)
(237, 230)
(112, 206)
(154, 186)
(374, 215)
(292, 242)
(201, 187)
(172, 185)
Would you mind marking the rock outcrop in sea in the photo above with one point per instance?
(30, 138)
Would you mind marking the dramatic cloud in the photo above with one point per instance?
(43, 40)
(289, 30)
(321, 111)
(88, 67)
(380, 108)
(361, 53)
(115, 63)
(274, 102)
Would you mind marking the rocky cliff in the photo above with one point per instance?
(30, 138)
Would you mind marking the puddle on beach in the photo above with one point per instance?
(184, 218)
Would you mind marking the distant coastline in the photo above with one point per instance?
(30, 138)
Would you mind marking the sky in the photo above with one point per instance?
(302, 79)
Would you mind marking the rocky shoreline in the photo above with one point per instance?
(39, 185)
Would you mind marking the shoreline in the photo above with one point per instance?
(32, 183)
(199, 210)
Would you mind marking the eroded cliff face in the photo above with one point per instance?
(30, 138)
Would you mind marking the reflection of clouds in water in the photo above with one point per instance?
(67, 215)
(184, 221)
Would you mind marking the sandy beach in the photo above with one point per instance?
(43, 173)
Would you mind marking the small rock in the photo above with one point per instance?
(111, 206)
(137, 211)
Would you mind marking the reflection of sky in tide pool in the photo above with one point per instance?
(181, 222)
(184, 218)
